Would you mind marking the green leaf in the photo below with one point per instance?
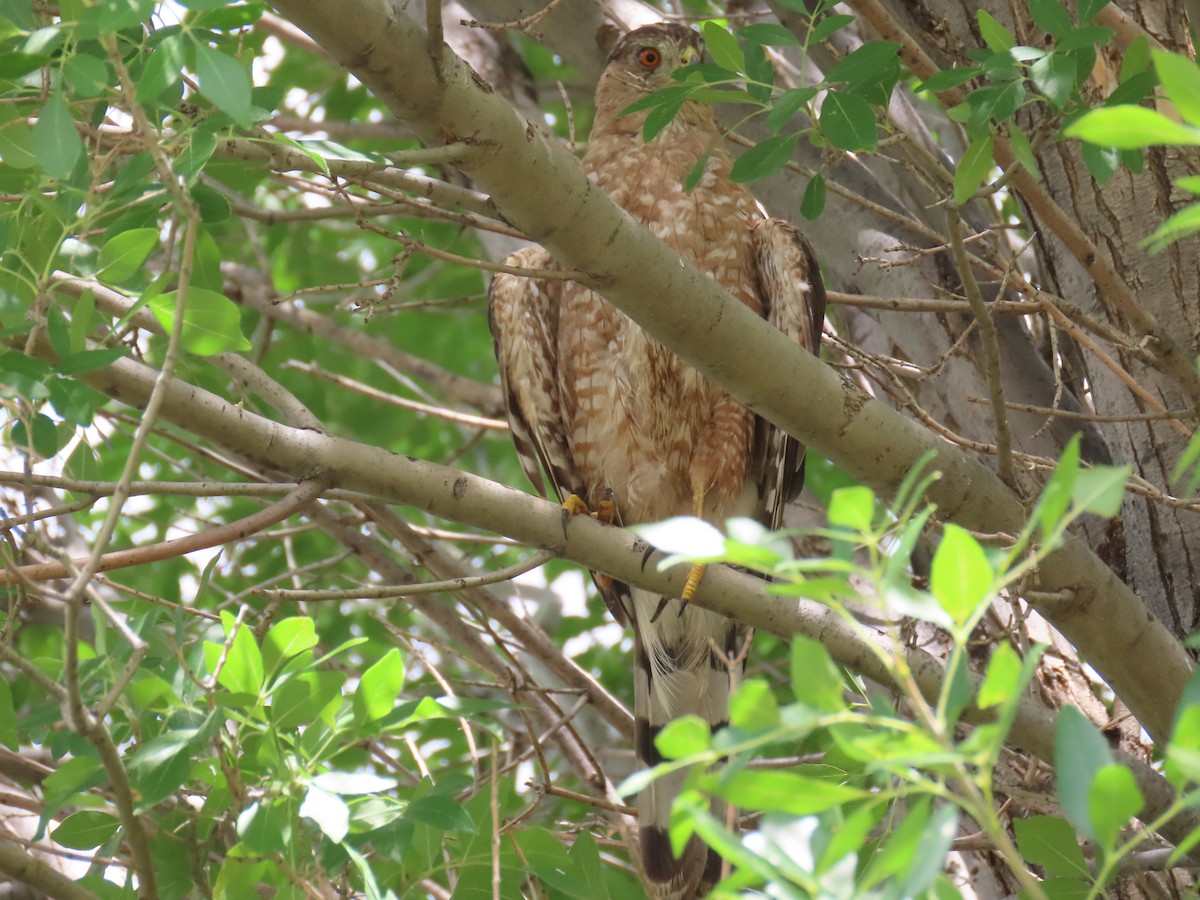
(17, 146)
(684, 736)
(771, 790)
(827, 26)
(90, 360)
(813, 203)
(379, 687)
(1113, 799)
(85, 830)
(1002, 681)
(266, 826)
(224, 82)
(764, 158)
(1183, 223)
(1054, 75)
(848, 122)
(329, 811)
(956, 690)
(853, 508)
(1136, 59)
(753, 706)
(1180, 79)
(124, 254)
(1086, 39)
(301, 699)
(1100, 490)
(868, 63)
(442, 813)
(60, 335)
(936, 838)
(1080, 751)
(1050, 842)
(816, 680)
(995, 35)
(1052, 506)
(55, 140)
(195, 156)
(87, 75)
(661, 115)
(900, 851)
(768, 34)
(212, 322)
(1023, 150)
(42, 438)
(13, 64)
(961, 577)
(1088, 9)
(9, 735)
(162, 71)
(948, 78)
(1183, 753)
(243, 669)
(160, 767)
(787, 105)
(287, 638)
(1051, 16)
(972, 169)
(1130, 127)
(723, 48)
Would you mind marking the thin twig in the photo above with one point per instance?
(303, 495)
(991, 347)
(410, 590)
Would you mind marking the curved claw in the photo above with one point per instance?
(572, 506)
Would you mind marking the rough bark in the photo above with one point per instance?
(1154, 546)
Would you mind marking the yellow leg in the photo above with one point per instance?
(693, 580)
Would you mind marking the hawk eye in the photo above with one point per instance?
(649, 58)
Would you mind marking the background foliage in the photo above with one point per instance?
(196, 188)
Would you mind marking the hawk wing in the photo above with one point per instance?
(794, 296)
(523, 316)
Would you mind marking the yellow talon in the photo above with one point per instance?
(693, 580)
(574, 506)
(690, 586)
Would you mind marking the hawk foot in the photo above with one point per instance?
(572, 506)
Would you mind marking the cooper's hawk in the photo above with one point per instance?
(611, 415)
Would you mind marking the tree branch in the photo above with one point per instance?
(466, 498)
(679, 306)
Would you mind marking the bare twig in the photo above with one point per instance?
(991, 346)
(409, 590)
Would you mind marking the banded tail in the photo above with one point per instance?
(677, 673)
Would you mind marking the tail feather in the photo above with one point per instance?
(677, 673)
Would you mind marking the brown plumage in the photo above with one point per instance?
(608, 412)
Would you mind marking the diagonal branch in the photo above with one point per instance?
(466, 498)
(691, 315)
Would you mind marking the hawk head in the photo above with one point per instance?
(644, 60)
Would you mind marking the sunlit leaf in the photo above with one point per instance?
(1129, 127)
(212, 322)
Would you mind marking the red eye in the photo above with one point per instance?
(649, 58)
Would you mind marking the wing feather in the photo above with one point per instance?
(523, 315)
(793, 293)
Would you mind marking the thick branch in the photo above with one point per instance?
(680, 306)
(466, 498)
